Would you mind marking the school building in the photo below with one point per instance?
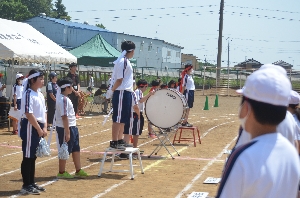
(149, 52)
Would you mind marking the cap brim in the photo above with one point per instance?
(239, 91)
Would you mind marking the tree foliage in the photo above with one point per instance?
(21, 10)
(101, 26)
(38, 6)
(59, 11)
(14, 10)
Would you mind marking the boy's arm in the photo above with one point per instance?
(52, 96)
(137, 110)
(143, 99)
(15, 102)
(117, 84)
(35, 124)
(66, 127)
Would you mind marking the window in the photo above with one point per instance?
(169, 53)
(178, 54)
(149, 48)
(141, 47)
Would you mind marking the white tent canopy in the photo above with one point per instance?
(20, 41)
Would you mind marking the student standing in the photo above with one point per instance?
(188, 89)
(91, 84)
(17, 91)
(51, 90)
(121, 92)
(267, 166)
(74, 96)
(33, 127)
(67, 130)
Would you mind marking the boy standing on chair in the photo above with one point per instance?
(66, 129)
(121, 92)
(188, 89)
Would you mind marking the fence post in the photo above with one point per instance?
(228, 80)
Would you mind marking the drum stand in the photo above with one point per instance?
(163, 136)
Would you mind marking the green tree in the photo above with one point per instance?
(38, 6)
(59, 11)
(101, 26)
(14, 10)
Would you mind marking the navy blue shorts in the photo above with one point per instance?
(133, 127)
(18, 103)
(30, 138)
(122, 104)
(73, 143)
(189, 96)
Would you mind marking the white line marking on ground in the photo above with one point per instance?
(55, 143)
(189, 185)
(50, 159)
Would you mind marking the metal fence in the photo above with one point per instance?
(206, 80)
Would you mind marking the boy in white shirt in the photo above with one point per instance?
(66, 128)
(267, 166)
(188, 89)
(120, 91)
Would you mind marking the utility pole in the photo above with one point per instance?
(220, 39)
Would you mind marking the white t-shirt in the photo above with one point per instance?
(288, 128)
(139, 95)
(134, 101)
(34, 102)
(297, 134)
(64, 106)
(91, 83)
(125, 72)
(188, 82)
(268, 166)
(18, 90)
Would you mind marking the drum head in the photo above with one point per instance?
(165, 108)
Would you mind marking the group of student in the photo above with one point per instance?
(128, 104)
(28, 99)
(265, 159)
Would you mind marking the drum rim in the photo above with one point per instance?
(153, 123)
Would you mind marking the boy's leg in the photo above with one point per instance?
(76, 160)
(135, 140)
(32, 171)
(26, 171)
(62, 166)
(117, 129)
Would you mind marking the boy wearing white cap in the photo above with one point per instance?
(288, 127)
(293, 109)
(267, 166)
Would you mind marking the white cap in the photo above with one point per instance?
(240, 91)
(19, 76)
(269, 85)
(295, 98)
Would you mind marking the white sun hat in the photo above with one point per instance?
(295, 98)
(269, 84)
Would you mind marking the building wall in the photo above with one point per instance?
(189, 58)
(149, 52)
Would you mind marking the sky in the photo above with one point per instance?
(265, 30)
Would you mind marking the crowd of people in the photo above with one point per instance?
(264, 161)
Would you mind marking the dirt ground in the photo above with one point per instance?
(164, 176)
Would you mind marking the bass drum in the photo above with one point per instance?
(166, 108)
